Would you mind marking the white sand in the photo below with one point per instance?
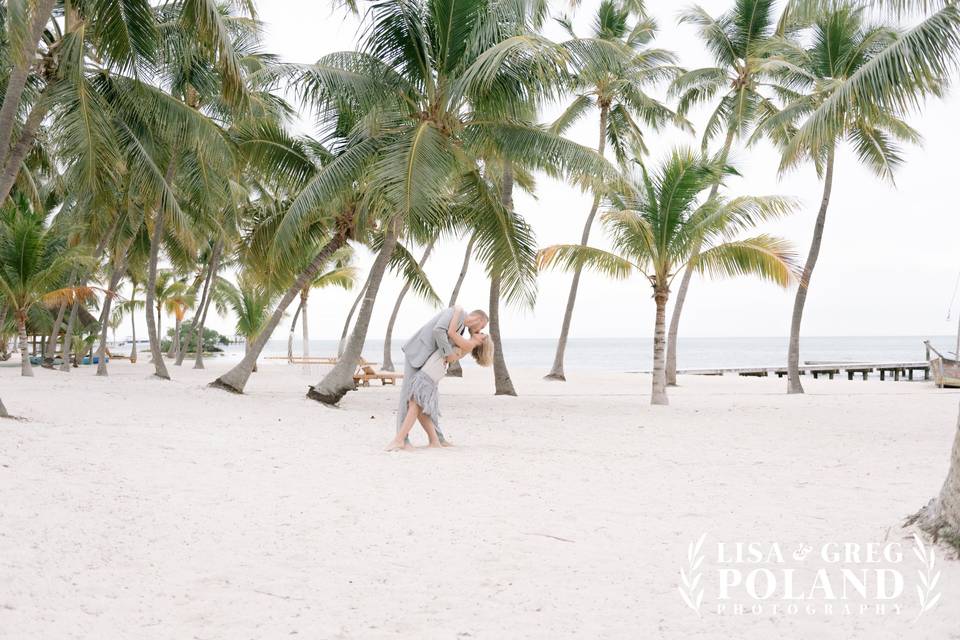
(136, 508)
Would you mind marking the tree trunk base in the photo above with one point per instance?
(330, 399)
(555, 376)
(454, 370)
(198, 365)
(930, 520)
(220, 383)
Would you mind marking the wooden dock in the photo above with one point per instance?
(895, 370)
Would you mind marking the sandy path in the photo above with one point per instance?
(131, 507)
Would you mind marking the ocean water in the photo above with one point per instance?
(632, 354)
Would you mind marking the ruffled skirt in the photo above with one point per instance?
(426, 393)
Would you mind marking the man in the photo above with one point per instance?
(430, 337)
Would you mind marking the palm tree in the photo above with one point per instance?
(177, 304)
(34, 264)
(896, 78)
(615, 86)
(842, 45)
(252, 305)
(658, 223)
(342, 275)
(439, 86)
(743, 42)
(388, 339)
(454, 370)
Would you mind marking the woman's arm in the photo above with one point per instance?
(465, 344)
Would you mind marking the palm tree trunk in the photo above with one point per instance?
(74, 310)
(235, 379)
(105, 312)
(27, 134)
(3, 411)
(658, 393)
(17, 80)
(51, 350)
(793, 351)
(25, 368)
(503, 385)
(339, 380)
(293, 327)
(133, 332)
(304, 302)
(681, 294)
(175, 342)
(208, 298)
(388, 339)
(454, 370)
(941, 516)
(353, 309)
(196, 338)
(68, 336)
(153, 324)
(556, 372)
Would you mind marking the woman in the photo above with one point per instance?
(424, 399)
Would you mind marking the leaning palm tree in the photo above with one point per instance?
(656, 226)
(342, 274)
(842, 44)
(615, 85)
(743, 42)
(34, 264)
(941, 516)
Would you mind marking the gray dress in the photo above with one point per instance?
(425, 386)
(431, 338)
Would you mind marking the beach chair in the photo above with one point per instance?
(366, 372)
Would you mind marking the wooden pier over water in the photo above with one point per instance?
(895, 370)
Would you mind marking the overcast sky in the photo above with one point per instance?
(888, 265)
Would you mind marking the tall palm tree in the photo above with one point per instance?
(743, 42)
(615, 85)
(656, 226)
(441, 85)
(900, 76)
(34, 263)
(841, 45)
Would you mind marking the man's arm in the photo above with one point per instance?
(441, 331)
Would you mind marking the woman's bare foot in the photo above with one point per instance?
(435, 444)
(446, 443)
(398, 446)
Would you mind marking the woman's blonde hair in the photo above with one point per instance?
(483, 352)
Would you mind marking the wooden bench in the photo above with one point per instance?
(365, 373)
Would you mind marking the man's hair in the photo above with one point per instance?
(481, 313)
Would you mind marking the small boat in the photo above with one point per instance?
(946, 372)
